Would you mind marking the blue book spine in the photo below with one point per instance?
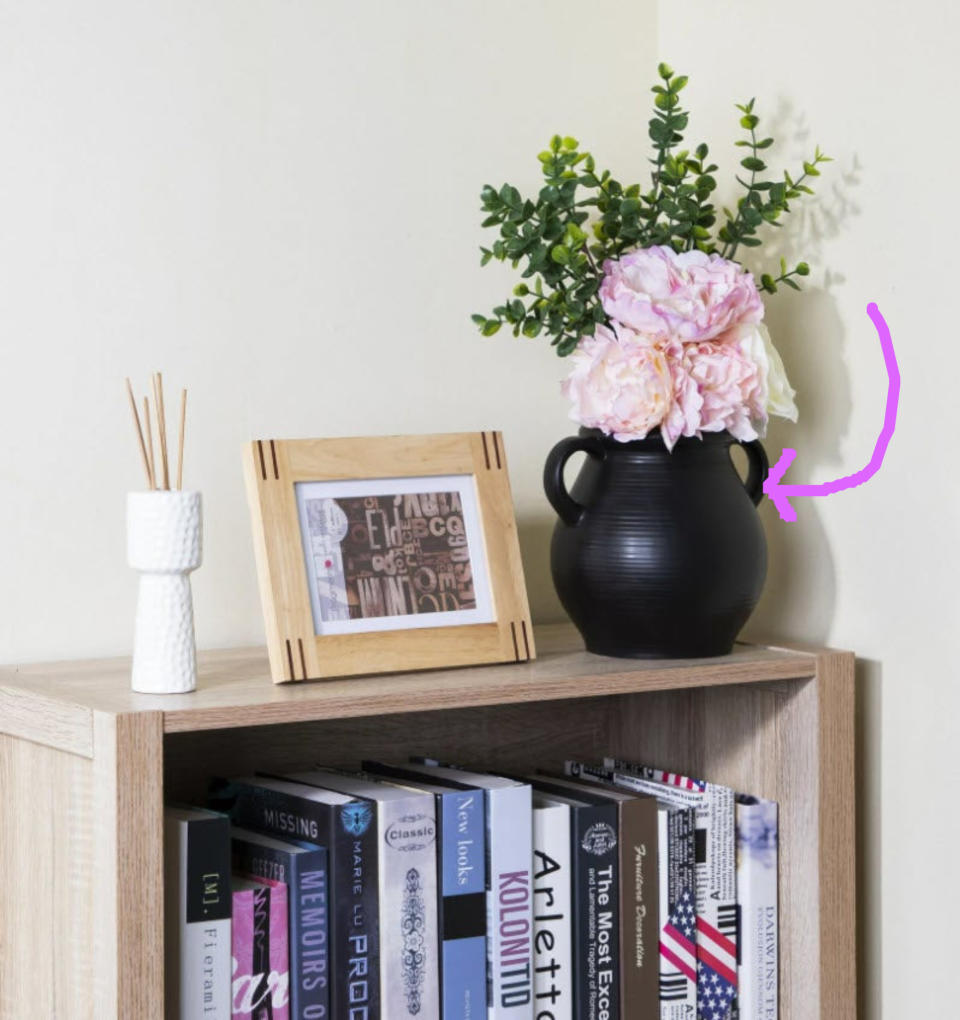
(463, 911)
(310, 937)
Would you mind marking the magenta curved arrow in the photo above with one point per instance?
(781, 494)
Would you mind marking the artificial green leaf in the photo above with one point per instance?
(560, 254)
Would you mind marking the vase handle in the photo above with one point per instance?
(758, 471)
(568, 509)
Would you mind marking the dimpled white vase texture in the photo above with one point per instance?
(164, 543)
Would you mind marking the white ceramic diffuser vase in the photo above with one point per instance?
(164, 542)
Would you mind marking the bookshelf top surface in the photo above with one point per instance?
(57, 701)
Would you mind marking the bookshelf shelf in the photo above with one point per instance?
(85, 766)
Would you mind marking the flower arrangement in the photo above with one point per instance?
(663, 326)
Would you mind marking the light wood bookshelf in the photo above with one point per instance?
(85, 766)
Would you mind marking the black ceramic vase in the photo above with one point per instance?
(657, 554)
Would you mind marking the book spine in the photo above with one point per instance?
(639, 919)
(276, 956)
(596, 911)
(204, 919)
(310, 935)
(463, 920)
(409, 946)
(510, 903)
(356, 956)
(716, 875)
(552, 913)
(260, 947)
(678, 950)
(757, 838)
(245, 981)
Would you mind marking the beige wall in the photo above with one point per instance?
(874, 569)
(275, 202)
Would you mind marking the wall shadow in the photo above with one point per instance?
(800, 595)
(534, 533)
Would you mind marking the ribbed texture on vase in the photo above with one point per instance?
(669, 556)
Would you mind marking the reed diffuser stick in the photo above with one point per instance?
(183, 425)
(161, 427)
(136, 422)
(149, 437)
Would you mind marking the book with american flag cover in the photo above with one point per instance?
(678, 913)
(716, 872)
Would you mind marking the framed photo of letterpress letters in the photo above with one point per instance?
(386, 554)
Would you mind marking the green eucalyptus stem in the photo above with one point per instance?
(750, 187)
(547, 237)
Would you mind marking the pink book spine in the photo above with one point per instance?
(261, 959)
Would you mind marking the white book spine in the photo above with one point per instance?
(757, 838)
(552, 918)
(409, 937)
(510, 903)
(206, 966)
(197, 927)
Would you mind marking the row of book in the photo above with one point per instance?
(611, 891)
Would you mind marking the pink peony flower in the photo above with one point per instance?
(730, 385)
(683, 418)
(619, 384)
(690, 296)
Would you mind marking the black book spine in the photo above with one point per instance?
(356, 906)
(596, 911)
(208, 870)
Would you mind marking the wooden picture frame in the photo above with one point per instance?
(291, 486)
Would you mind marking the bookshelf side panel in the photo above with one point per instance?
(127, 921)
(46, 897)
(838, 834)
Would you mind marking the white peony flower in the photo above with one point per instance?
(778, 394)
